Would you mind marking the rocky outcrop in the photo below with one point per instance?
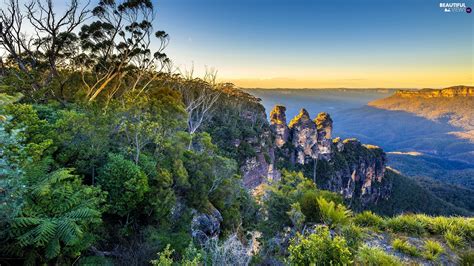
(239, 127)
(206, 225)
(278, 125)
(324, 125)
(358, 172)
(354, 170)
(324, 128)
(304, 137)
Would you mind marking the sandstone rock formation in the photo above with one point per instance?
(324, 125)
(354, 170)
(304, 136)
(278, 125)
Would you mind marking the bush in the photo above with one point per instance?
(319, 248)
(332, 214)
(466, 258)
(368, 218)
(353, 235)
(125, 183)
(432, 250)
(375, 257)
(309, 207)
(192, 257)
(405, 247)
(406, 224)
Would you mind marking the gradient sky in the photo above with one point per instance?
(273, 43)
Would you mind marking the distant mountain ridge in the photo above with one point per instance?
(453, 105)
(455, 91)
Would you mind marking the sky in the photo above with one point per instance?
(321, 44)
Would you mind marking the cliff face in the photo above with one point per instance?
(456, 91)
(240, 129)
(354, 170)
(453, 105)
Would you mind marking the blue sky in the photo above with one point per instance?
(321, 43)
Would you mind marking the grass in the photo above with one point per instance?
(406, 224)
(374, 257)
(432, 250)
(453, 240)
(466, 258)
(405, 247)
(368, 218)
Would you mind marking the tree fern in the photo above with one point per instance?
(56, 214)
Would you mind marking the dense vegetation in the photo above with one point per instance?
(107, 157)
(408, 196)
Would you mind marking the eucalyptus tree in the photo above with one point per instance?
(39, 40)
(118, 49)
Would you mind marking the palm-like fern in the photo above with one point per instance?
(332, 214)
(57, 214)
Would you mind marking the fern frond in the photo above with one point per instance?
(22, 222)
(66, 232)
(44, 232)
(82, 213)
(52, 249)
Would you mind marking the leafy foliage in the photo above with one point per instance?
(319, 248)
(57, 217)
(332, 214)
(125, 183)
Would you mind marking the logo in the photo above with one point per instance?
(455, 8)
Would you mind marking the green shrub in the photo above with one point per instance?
(191, 257)
(406, 224)
(453, 240)
(353, 235)
(309, 207)
(164, 257)
(432, 250)
(332, 214)
(368, 218)
(405, 247)
(125, 183)
(319, 248)
(375, 257)
(466, 258)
